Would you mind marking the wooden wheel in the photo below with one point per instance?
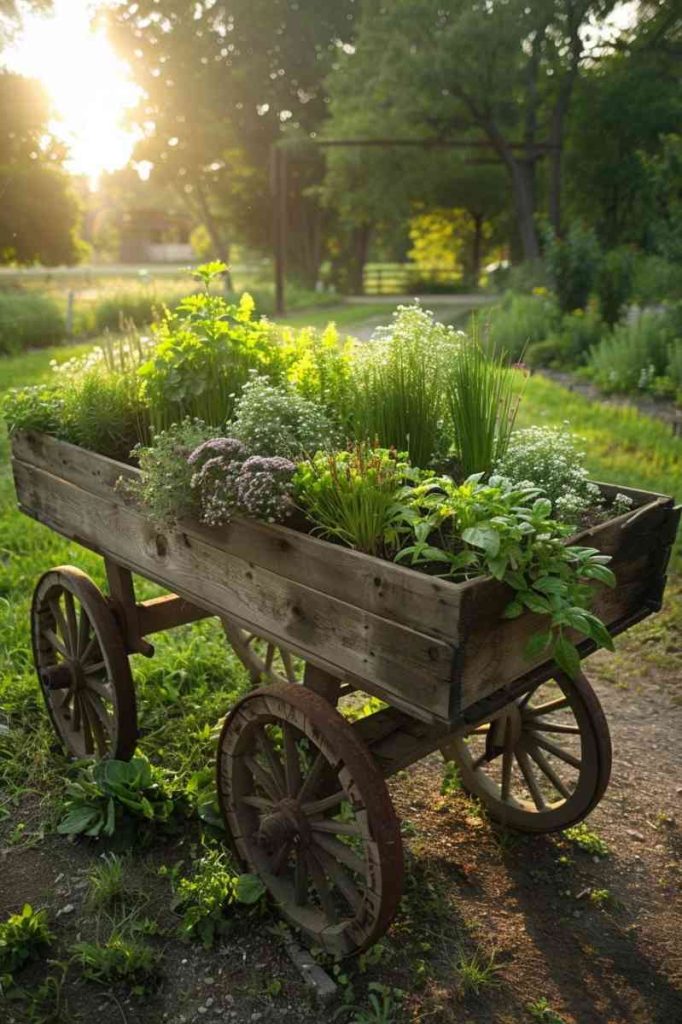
(82, 666)
(543, 762)
(309, 811)
(266, 662)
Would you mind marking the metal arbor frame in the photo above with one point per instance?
(279, 176)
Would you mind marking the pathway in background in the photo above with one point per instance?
(448, 308)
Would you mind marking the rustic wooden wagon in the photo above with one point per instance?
(302, 787)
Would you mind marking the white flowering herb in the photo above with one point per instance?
(275, 420)
(549, 458)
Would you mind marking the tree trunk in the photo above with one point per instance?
(523, 187)
(221, 247)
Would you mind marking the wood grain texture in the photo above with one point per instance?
(193, 564)
(433, 649)
(426, 604)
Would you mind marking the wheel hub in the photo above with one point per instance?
(286, 822)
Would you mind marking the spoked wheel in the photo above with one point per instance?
(82, 666)
(309, 811)
(543, 762)
(266, 662)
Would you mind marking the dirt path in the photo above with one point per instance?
(448, 308)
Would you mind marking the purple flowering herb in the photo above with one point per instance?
(228, 448)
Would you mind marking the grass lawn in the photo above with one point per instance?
(183, 692)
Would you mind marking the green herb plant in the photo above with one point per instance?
(350, 495)
(123, 957)
(22, 938)
(491, 528)
(482, 401)
(117, 796)
(398, 378)
(204, 898)
(203, 354)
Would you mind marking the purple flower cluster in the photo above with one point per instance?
(230, 482)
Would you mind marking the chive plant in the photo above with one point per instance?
(398, 375)
(482, 400)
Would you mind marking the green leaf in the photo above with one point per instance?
(535, 602)
(78, 820)
(484, 537)
(550, 585)
(513, 610)
(542, 508)
(566, 656)
(600, 573)
(248, 889)
(598, 631)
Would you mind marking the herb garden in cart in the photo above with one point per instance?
(398, 567)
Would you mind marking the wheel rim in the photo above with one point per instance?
(264, 660)
(308, 811)
(82, 667)
(543, 762)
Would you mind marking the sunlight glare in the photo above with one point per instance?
(88, 84)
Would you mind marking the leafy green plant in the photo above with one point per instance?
(475, 528)
(204, 898)
(351, 495)
(541, 1011)
(204, 353)
(398, 379)
(22, 937)
(273, 419)
(482, 401)
(122, 957)
(382, 1006)
(519, 322)
(165, 487)
(109, 795)
(551, 459)
(634, 356)
(572, 264)
(320, 366)
(614, 284)
(587, 840)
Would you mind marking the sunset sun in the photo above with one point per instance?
(87, 83)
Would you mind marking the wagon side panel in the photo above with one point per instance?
(411, 669)
(493, 648)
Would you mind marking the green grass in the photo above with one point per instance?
(344, 314)
(623, 445)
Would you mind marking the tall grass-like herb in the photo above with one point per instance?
(351, 495)
(398, 377)
(482, 401)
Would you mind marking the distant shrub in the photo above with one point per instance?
(137, 307)
(635, 355)
(614, 284)
(656, 280)
(520, 321)
(572, 265)
(28, 320)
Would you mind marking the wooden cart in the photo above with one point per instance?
(302, 787)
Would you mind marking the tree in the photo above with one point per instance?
(11, 12)
(497, 72)
(38, 213)
(224, 81)
(625, 105)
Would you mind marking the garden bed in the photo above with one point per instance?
(432, 647)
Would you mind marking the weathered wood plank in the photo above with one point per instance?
(391, 657)
(493, 649)
(392, 591)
